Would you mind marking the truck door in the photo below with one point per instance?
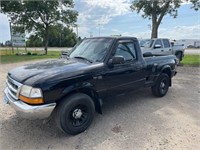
(127, 76)
(167, 47)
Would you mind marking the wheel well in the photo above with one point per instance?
(90, 93)
(94, 97)
(179, 52)
(168, 72)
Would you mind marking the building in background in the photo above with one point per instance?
(188, 43)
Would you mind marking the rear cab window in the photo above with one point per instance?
(166, 43)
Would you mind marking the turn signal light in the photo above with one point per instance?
(31, 100)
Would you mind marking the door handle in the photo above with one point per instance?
(137, 68)
(170, 49)
(162, 50)
(97, 77)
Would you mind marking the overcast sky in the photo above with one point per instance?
(113, 17)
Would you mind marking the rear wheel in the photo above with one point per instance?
(179, 57)
(162, 85)
(75, 114)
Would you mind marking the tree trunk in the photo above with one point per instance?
(46, 39)
(156, 20)
(154, 31)
(154, 26)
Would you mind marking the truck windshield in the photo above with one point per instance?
(93, 50)
(146, 43)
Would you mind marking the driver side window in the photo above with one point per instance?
(127, 50)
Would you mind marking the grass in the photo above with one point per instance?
(8, 51)
(6, 56)
(13, 58)
(191, 60)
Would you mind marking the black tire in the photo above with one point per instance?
(162, 85)
(179, 57)
(75, 113)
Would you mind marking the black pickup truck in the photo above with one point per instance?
(72, 88)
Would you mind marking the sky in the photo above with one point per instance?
(114, 17)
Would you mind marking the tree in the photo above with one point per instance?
(157, 9)
(196, 4)
(39, 16)
(8, 43)
(62, 36)
(59, 36)
(34, 41)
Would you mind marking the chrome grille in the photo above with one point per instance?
(13, 87)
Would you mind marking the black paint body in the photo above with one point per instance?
(59, 78)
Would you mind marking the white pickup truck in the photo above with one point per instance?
(158, 46)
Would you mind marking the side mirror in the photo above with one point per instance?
(157, 46)
(147, 54)
(118, 59)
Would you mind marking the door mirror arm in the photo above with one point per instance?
(110, 64)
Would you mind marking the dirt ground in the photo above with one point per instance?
(135, 121)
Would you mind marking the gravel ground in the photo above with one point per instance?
(136, 121)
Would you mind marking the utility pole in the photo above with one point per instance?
(91, 34)
(99, 28)
(11, 37)
(149, 26)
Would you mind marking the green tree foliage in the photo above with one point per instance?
(196, 4)
(34, 41)
(40, 16)
(157, 9)
(59, 36)
(62, 36)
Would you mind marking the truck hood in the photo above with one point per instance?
(49, 71)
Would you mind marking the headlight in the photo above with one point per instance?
(30, 92)
(35, 92)
(31, 95)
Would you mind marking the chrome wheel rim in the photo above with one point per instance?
(79, 115)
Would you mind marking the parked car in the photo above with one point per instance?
(158, 46)
(71, 89)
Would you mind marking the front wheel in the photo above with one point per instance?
(75, 113)
(162, 85)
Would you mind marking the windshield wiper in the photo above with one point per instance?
(79, 57)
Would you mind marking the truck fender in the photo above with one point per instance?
(87, 88)
(179, 56)
(167, 69)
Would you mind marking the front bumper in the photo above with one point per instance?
(29, 111)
